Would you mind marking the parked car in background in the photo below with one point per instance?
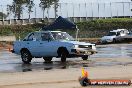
(115, 36)
(49, 44)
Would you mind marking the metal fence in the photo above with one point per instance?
(76, 11)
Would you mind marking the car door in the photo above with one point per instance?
(47, 45)
(32, 43)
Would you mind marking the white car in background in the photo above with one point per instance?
(49, 44)
(115, 36)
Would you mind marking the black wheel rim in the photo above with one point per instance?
(25, 56)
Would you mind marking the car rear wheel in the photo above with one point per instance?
(26, 56)
(85, 57)
(47, 59)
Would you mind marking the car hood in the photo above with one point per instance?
(79, 43)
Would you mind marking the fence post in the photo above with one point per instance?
(79, 13)
(48, 14)
(111, 10)
(73, 13)
(43, 12)
(86, 11)
(98, 11)
(117, 11)
(104, 11)
(92, 9)
(123, 11)
(130, 8)
(67, 9)
(22, 18)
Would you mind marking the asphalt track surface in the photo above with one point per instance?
(108, 55)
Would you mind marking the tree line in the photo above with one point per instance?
(18, 6)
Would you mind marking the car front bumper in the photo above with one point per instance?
(12, 51)
(106, 41)
(83, 52)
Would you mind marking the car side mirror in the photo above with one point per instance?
(24, 39)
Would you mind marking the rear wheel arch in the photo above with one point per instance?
(24, 49)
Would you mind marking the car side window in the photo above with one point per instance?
(31, 37)
(122, 32)
(118, 33)
(45, 37)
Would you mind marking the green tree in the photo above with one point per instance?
(9, 10)
(18, 6)
(47, 3)
(30, 5)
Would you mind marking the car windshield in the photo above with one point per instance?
(111, 33)
(62, 36)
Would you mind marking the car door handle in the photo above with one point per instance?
(28, 43)
(41, 43)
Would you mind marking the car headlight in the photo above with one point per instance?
(76, 46)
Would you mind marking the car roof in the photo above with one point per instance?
(118, 30)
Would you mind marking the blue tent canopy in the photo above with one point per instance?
(60, 23)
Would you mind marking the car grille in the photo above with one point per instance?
(85, 46)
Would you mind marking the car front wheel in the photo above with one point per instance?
(26, 56)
